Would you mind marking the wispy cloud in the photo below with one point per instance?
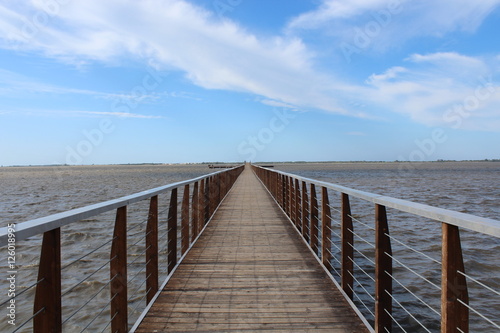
(388, 23)
(174, 34)
(116, 114)
(281, 69)
(12, 84)
(436, 88)
(277, 104)
(77, 113)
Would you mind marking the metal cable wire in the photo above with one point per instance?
(166, 233)
(336, 272)
(28, 320)
(109, 322)
(362, 286)
(408, 312)
(333, 220)
(139, 272)
(413, 294)
(140, 239)
(361, 238)
(479, 314)
(136, 291)
(85, 255)
(361, 301)
(336, 246)
(333, 257)
(411, 270)
(333, 232)
(140, 300)
(137, 225)
(412, 249)
(87, 277)
(335, 209)
(100, 312)
(480, 283)
(139, 256)
(22, 292)
(362, 254)
(362, 223)
(98, 292)
(362, 270)
(393, 319)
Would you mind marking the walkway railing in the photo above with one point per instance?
(190, 207)
(360, 258)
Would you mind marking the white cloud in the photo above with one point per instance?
(79, 113)
(277, 104)
(116, 114)
(220, 54)
(174, 34)
(385, 24)
(442, 89)
(334, 9)
(12, 84)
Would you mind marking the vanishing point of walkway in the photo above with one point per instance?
(250, 271)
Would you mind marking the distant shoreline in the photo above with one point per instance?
(259, 162)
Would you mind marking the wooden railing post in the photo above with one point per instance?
(383, 267)
(118, 273)
(298, 221)
(305, 213)
(172, 232)
(285, 192)
(219, 190)
(287, 196)
(454, 315)
(223, 187)
(347, 247)
(201, 205)
(195, 212)
(206, 200)
(48, 290)
(277, 185)
(291, 198)
(326, 231)
(185, 220)
(152, 250)
(314, 225)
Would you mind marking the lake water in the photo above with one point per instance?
(470, 187)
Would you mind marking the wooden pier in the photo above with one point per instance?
(250, 270)
(251, 249)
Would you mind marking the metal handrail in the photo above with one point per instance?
(475, 223)
(40, 225)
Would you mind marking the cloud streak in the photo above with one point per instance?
(432, 91)
(400, 20)
(281, 70)
(213, 53)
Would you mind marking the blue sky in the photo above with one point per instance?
(172, 81)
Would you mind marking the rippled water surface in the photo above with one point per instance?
(472, 187)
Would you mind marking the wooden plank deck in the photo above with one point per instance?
(250, 271)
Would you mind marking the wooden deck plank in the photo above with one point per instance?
(250, 271)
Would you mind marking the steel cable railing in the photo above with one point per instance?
(377, 256)
(138, 236)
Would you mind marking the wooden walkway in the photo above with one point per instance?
(250, 271)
